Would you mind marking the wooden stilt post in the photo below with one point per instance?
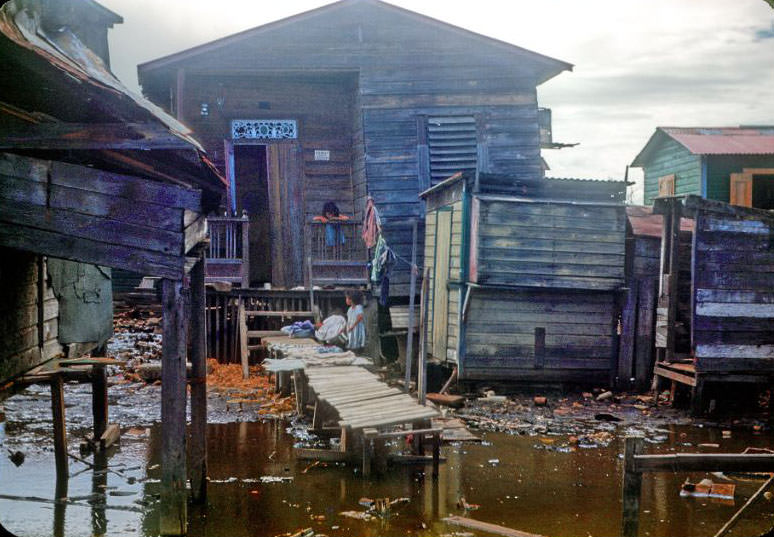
(99, 398)
(412, 295)
(173, 508)
(198, 453)
(436, 453)
(422, 365)
(244, 353)
(632, 487)
(60, 432)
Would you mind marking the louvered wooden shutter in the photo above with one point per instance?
(666, 185)
(452, 146)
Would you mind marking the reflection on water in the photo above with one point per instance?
(534, 490)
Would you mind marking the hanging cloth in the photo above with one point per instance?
(372, 224)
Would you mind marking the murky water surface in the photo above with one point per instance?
(516, 481)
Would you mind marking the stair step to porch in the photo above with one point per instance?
(259, 313)
(264, 333)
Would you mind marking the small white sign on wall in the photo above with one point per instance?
(322, 154)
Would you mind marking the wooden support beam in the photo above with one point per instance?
(424, 314)
(60, 431)
(244, 352)
(412, 297)
(198, 383)
(173, 508)
(704, 462)
(99, 397)
(632, 487)
(85, 136)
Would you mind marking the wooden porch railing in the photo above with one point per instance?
(336, 253)
(228, 257)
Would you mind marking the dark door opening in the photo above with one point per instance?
(252, 195)
(763, 191)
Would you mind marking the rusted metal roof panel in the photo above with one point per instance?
(646, 224)
(728, 141)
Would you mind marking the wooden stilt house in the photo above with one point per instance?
(725, 333)
(525, 285)
(357, 98)
(92, 177)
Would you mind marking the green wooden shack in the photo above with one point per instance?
(525, 285)
(731, 164)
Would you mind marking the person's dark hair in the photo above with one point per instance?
(330, 208)
(356, 297)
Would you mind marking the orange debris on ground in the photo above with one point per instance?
(256, 389)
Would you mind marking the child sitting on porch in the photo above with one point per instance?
(355, 329)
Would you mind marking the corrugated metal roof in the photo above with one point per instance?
(725, 141)
(587, 179)
(744, 140)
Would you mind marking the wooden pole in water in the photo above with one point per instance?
(412, 296)
(198, 454)
(99, 395)
(173, 508)
(632, 487)
(60, 432)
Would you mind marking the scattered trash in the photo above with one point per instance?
(357, 515)
(275, 479)
(492, 399)
(494, 462)
(16, 457)
(366, 502)
(463, 504)
(707, 489)
(540, 401)
(709, 445)
(604, 396)
(726, 434)
(606, 417)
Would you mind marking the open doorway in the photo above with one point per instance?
(763, 190)
(252, 195)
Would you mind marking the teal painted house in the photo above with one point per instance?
(734, 165)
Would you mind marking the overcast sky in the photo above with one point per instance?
(638, 63)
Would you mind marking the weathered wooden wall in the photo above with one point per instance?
(398, 68)
(720, 168)
(547, 244)
(454, 277)
(733, 286)
(673, 158)
(22, 311)
(579, 330)
(322, 105)
(79, 213)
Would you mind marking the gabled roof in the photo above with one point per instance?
(744, 140)
(550, 67)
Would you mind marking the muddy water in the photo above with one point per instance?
(516, 481)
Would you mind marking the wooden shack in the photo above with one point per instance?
(93, 177)
(525, 287)
(357, 98)
(729, 296)
(731, 164)
(638, 317)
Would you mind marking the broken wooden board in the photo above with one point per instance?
(454, 401)
(327, 455)
(486, 526)
(454, 430)
(111, 436)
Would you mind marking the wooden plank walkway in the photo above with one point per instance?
(362, 400)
